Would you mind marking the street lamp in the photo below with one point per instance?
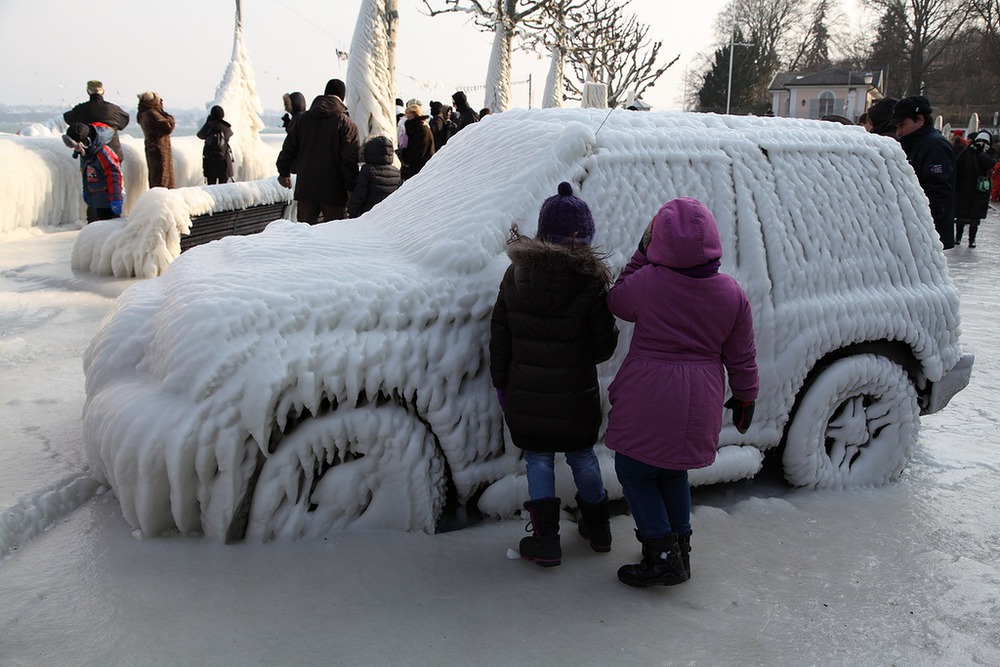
(732, 47)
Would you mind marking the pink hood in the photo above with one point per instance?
(685, 234)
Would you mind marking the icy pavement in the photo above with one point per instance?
(906, 574)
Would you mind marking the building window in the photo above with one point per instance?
(826, 102)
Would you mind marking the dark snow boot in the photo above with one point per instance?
(543, 545)
(684, 541)
(973, 228)
(661, 564)
(595, 524)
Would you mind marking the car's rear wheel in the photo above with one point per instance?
(856, 425)
(376, 466)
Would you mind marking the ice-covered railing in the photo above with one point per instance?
(40, 183)
(146, 242)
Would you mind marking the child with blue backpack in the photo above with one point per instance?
(103, 188)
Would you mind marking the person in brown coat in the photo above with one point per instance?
(156, 126)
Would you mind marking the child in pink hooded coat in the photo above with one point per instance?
(693, 325)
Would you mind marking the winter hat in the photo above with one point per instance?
(95, 87)
(460, 99)
(911, 107)
(880, 113)
(684, 235)
(335, 87)
(983, 137)
(78, 131)
(565, 219)
(148, 97)
(435, 107)
(217, 113)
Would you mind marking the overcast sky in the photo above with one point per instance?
(181, 48)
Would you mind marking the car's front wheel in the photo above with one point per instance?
(372, 465)
(855, 426)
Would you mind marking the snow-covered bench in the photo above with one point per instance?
(238, 222)
(163, 223)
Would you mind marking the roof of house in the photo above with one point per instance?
(833, 76)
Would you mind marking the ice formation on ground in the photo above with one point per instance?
(308, 379)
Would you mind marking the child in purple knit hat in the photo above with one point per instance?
(549, 330)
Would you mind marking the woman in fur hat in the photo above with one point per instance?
(156, 126)
(549, 330)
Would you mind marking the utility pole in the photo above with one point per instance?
(732, 47)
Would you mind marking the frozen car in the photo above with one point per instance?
(308, 379)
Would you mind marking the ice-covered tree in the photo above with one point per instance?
(502, 17)
(371, 69)
(237, 95)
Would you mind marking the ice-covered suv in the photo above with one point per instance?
(307, 379)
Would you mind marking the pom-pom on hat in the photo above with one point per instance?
(565, 219)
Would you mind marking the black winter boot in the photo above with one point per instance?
(543, 545)
(973, 228)
(595, 524)
(684, 541)
(661, 564)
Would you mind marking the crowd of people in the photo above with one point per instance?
(959, 176)
(336, 175)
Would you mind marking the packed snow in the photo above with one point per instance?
(905, 574)
(308, 379)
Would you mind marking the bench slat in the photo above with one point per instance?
(214, 226)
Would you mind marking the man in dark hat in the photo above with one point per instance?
(96, 110)
(933, 160)
(880, 117)
(323, 145)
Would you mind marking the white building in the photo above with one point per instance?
(831, 92)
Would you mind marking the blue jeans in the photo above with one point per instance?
(659, 499)
(586, 474)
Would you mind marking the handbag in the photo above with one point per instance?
(983, 184)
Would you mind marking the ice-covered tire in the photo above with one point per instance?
(856, 425)
(371, 466)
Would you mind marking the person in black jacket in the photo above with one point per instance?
(972, 186)
(96, 110)
(933, 160)
(378, 179)
(323, 145)
(550, 328)
(216, 156)
(464, 115)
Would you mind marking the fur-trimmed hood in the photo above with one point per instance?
(533, 253)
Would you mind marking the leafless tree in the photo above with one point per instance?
(613, 48)
(501, 17)
(929, 28)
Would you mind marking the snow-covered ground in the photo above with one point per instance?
(905, 574)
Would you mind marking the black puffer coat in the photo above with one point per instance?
(549, 330)
(970, 203)
(323, 144)
(378, 179)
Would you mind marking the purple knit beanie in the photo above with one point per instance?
(565, 219)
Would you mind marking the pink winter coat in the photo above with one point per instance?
(692, 325)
